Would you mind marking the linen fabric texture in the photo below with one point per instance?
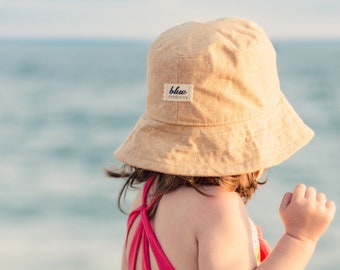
(235, 119)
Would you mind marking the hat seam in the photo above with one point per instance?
(238, 51)
(177, 80)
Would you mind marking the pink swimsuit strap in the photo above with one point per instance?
(144, 236)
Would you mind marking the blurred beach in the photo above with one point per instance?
(66, 105)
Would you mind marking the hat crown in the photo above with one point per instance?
(214, 104)
(230, 65)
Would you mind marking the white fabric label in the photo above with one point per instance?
(178, 92)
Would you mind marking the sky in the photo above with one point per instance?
(297, 19)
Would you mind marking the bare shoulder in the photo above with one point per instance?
(220, 208)
(219, 198)
(184, 216)
(205, 211)
(223, 232)
(213, 229)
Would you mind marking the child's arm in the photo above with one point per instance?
(306, 215)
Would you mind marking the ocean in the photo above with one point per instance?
(65, 105)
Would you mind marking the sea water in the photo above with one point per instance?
(66, 105)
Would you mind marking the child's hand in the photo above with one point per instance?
(305, 213)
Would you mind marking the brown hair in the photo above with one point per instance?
(244, 184)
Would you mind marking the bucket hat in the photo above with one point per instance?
(214, 105)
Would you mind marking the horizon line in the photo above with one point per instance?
(125, 40)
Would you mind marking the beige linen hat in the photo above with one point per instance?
(214, 105)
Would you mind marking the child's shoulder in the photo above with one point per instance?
(216, 203)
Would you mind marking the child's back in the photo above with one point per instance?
(190, 227)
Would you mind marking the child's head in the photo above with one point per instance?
(214, 104)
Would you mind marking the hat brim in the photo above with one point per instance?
(221, 150)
